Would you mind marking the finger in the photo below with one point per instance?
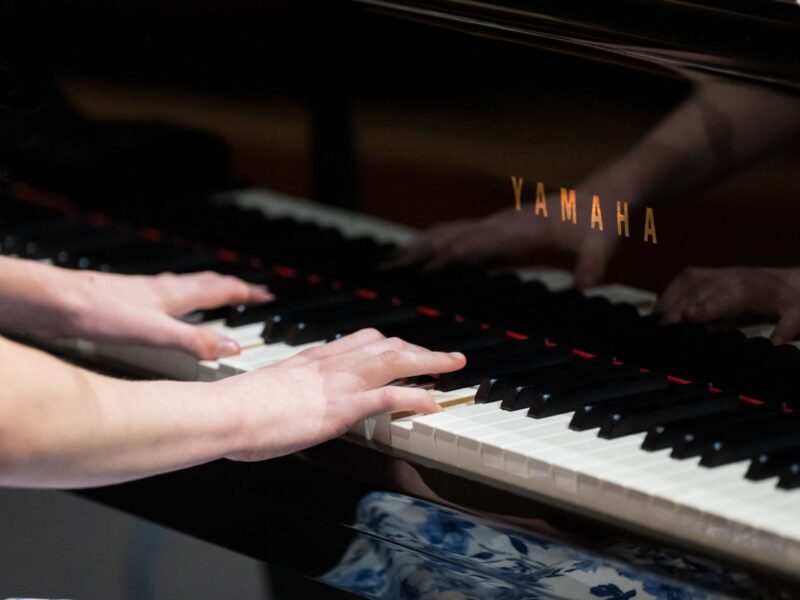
(432, 243)
(713, 307)
(690, 292)
(414, 253)
(787, 329)
(197, 341)
(470, 245)
(345, 344)
(209, 290)
(445, 258)
(350, 360)
(590, 267)
(388, 366)
(393, 399)
(676, 290)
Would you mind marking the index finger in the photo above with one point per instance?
(391, 365)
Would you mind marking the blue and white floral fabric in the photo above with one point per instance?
(412, 549)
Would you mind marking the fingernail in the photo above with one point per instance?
(227, 348)
(261, 291)
(458, 355)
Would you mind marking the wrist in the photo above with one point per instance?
(37, 298)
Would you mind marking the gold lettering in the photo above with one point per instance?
(650, 225)
(541, 201)
(517, 184)
(568, 210)
(597, 213)
(622, 219)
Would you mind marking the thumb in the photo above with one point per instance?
(197, 341)
(787, 328)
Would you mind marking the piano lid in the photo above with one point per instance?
(757, 40)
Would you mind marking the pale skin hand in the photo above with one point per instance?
(705, 295)
(47, 301)
(74, 428)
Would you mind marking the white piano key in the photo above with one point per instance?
(247, 336)
(471, 443)
(379, 428)
(258, 357)
(400, 435)
(425, 429)
(208, 370)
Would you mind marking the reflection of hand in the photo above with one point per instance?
(506, 237)
(322, 392)
(53, 302)
(703, 295)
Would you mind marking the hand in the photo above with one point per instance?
(52, 302)
(322, 392)
(509, 236)
(703, 295)
(142, 309)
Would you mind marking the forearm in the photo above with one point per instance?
(61, 426)
(719, 127)
(33, 299)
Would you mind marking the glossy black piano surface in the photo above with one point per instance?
(648, 144)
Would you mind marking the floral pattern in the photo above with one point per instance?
(411, 549)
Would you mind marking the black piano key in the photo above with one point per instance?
(667, 434)
(279, 316)
(427, 326)
(479, 368)
(175, 262)
(619, 423)
(770, 464)
(654, 346)
(602, 336)
(289, 293)
(514, 397)
(466, 340)
(14, 214)
(112, 254)
(693, 441)
(136, 255)
(781, 432)
(499, 387)
(502, 352)
(304, 332)
(565, 397)
(695, 362)
(15, 237)
(468, 343)
(789, 477)
(736, 371)
(278, 327)
(78, 254)
(442, 333)
(593, 414)
(54, 245)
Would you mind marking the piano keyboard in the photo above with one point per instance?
(579, 399)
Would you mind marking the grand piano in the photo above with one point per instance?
(596, 202)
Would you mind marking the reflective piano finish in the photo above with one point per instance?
(393, 530)
(648, 138)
